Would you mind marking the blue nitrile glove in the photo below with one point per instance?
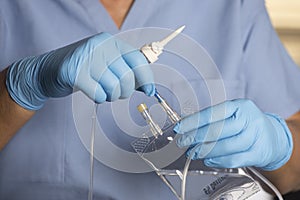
(101, 66)
(236, 134)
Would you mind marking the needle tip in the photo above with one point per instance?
(179, 30)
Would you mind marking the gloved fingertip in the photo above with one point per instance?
(188, 154)
(192, 155)
(149, 89)
(99, 101)
(208, 162)
(100, 98)
(176, 128)
(185, 141)
(179, 143)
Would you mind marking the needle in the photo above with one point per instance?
(170, 37)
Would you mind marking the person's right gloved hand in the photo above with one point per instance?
(103, 67)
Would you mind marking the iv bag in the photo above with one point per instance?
(201, 182)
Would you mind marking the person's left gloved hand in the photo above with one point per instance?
(236, 134)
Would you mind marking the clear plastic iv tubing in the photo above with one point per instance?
(184, 176)
(92, 142)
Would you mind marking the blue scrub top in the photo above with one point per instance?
(47, 160)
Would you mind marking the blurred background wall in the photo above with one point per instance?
(285, 16)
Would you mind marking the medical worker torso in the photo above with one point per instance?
(49, 157)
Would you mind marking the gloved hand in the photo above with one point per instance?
(236, 134)
(101, 66)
